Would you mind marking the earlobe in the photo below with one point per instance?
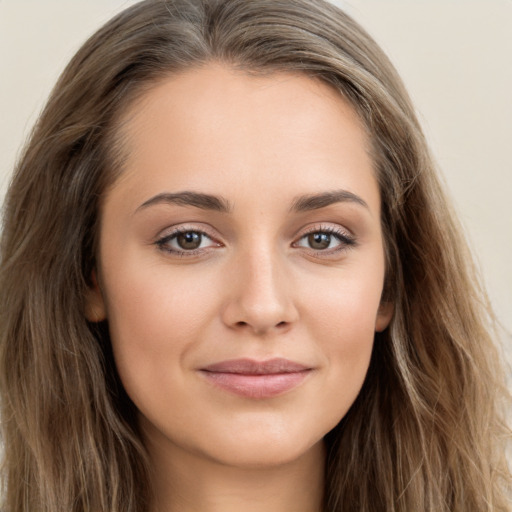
(94, 303)
(384, 315)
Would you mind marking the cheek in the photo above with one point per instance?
(341, 320)
(153, 304)
(156, 320)
(344, 304)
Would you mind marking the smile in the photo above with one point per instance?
(256, 379)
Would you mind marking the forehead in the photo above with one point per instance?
(216, 125)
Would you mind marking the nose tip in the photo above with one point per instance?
(260, 298)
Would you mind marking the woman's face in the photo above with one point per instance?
(241, 264)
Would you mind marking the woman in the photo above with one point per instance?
(230, 280)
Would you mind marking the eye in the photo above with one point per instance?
(326, 239)
(319, 241)
(185, 241)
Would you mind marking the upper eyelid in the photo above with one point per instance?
(183, 228)
(213, 234)
(325, 227)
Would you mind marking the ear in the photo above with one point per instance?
(384, 315)
(95, 310)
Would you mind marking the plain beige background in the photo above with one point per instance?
(455, 57)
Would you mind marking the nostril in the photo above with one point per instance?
(243, 324)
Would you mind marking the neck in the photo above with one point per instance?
(186, 482)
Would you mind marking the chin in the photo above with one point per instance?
(262, 444)
(266, 454)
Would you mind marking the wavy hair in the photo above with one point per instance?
(426, 432)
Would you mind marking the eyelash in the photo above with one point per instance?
(166, 239)
(345, 240)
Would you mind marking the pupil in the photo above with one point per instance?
(189, 240)
(319, 240)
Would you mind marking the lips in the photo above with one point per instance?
(256, 379)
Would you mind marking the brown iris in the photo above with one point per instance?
(189, 240)
(319, 241)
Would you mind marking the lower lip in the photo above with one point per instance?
(257, 386)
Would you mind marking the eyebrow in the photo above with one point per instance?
(215, 203)
(186, 198)
(316, 201)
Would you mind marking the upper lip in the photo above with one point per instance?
(277, 365)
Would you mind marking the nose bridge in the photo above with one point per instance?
(261, 297)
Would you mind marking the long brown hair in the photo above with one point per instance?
(425, 433)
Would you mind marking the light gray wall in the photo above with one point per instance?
(454, 55)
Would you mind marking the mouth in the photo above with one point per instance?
(256, 379)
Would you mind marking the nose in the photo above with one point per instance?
(260, 294)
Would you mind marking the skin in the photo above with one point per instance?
(259, 285)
